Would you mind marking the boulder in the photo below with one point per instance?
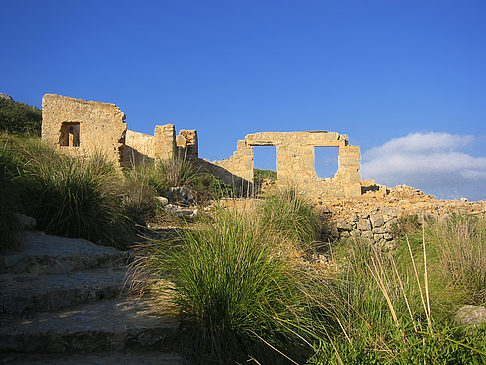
(25, 222)
(180, 195)
(471, 315)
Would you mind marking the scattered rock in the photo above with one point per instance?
(181, 212)
(25, 222)
(180, 195)
(162, 200)
(471, 315)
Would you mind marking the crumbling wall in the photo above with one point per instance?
(83, 127)
(187, 144)
(142, 148)
(295, 161)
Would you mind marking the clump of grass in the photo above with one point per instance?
(174, 172)
(70, 196)
(238, 286)
(9, 199)
(386, 307)
(138, 194)
(460, 242)
(289, 214)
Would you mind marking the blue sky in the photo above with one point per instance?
(387, 73)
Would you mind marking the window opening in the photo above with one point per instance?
(69, 134)
(326, 161)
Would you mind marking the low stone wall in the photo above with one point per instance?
(374, 216)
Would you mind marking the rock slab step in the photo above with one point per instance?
(103, 326)
(45, 254)
(103, 358)
(27, 293)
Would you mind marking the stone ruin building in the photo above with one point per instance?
(83, 127)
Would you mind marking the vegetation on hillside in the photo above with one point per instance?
(68, 196)
(265, 174)
(240, 280)
(19, 118)
(239, 287)
(243, 287)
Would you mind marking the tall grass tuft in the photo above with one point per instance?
(138, 194)
(70, 196)
(387, 307)
(8, 198)
(238, 286)
(460, 243)
(289, 214)
(174, 172)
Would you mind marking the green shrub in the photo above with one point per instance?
(207, 187)
(138, 194)
(180, 172)
(19, 118)
(8, 199)
(238, 287)
(70, 196)
(398, 307)
(264, 174)
(289, 214)
(169, 173)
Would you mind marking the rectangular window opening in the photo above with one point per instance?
(326, 161)
(70, 134)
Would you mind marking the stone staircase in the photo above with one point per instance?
(63, 301)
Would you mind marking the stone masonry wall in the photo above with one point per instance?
(145, 148)
(187, 144)
(295, 161)
(83, 127)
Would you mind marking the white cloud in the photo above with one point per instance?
(431, 162)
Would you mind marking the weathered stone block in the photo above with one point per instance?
(377, 220)
(364, 225)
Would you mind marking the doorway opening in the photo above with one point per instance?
(264, 167)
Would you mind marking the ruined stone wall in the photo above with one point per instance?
(143, 148)
(240, 163)
(187, 144)
(83, 127)
(164, 141)
(295, 161)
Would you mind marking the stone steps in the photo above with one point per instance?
(63, 301)
(109, 325)
(97, 358)
(45, 254)
(26, 293)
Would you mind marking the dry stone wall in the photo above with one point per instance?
(374, 215)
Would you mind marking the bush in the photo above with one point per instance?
(265, 174)
(289, 214)
(8, 199)
(139, 195)
(238, 286)
(388, 307)
(169, 173)
(19, 118)
(70, 196)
